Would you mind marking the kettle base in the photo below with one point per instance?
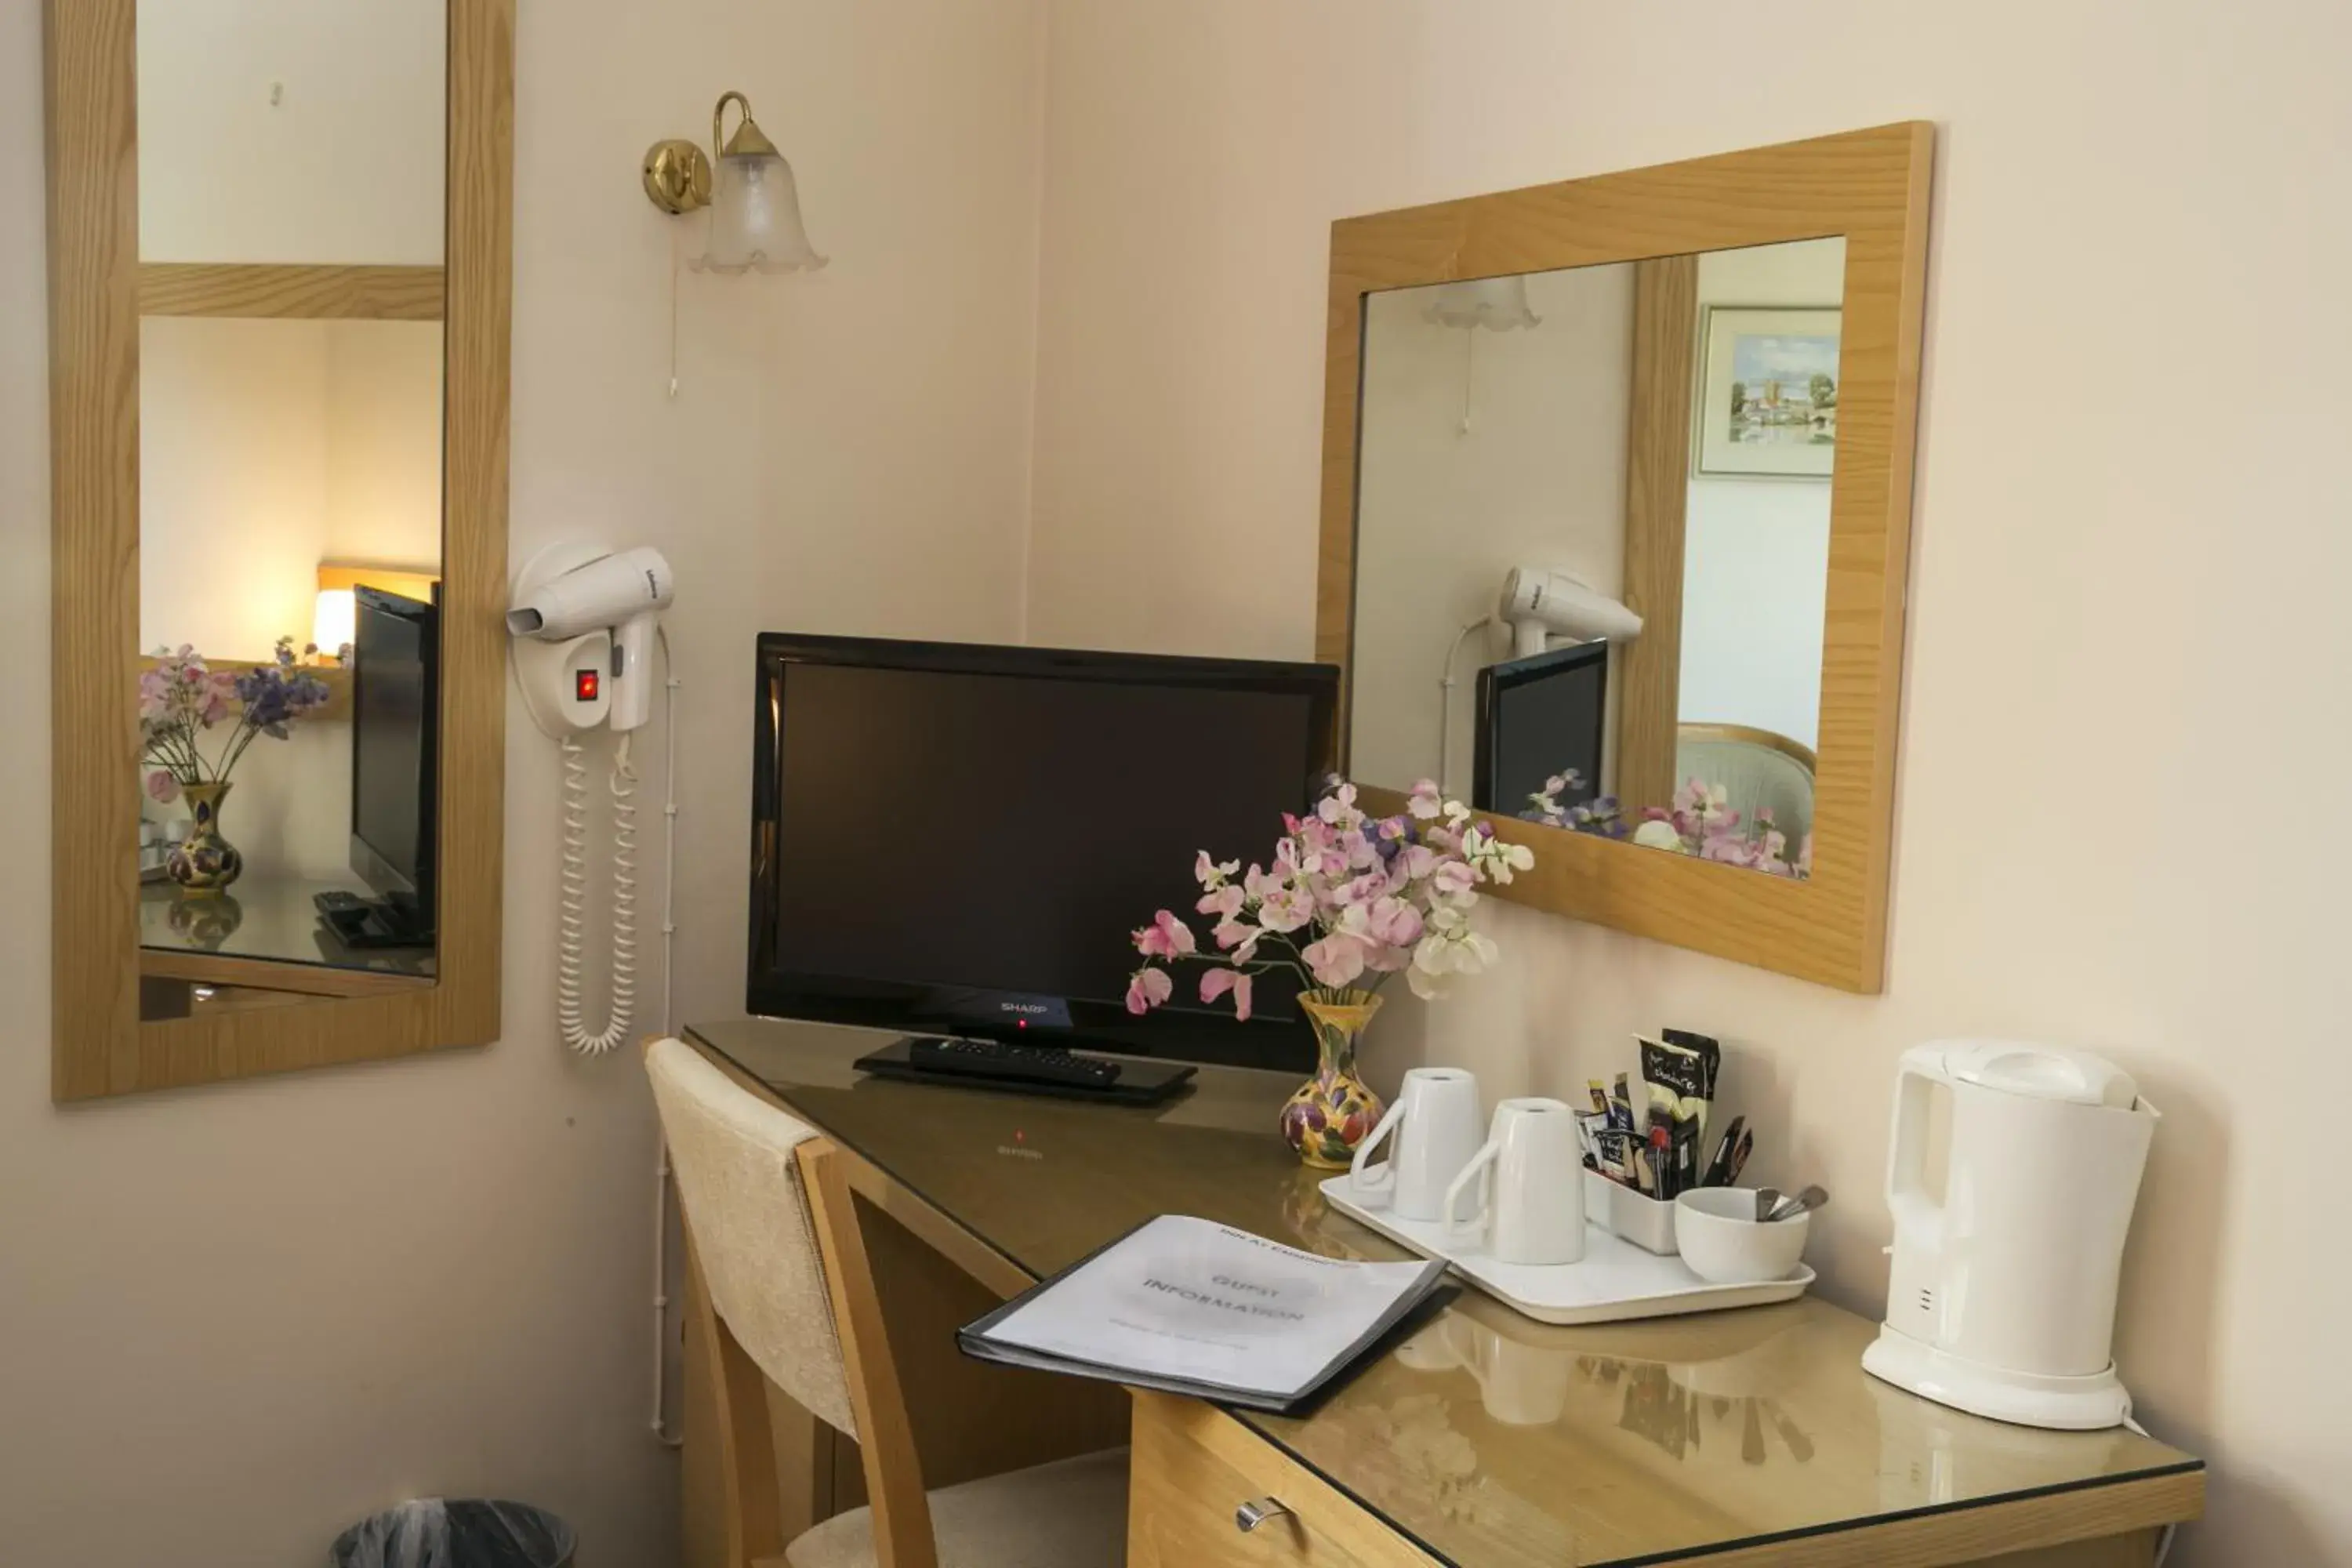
(2023, 1398)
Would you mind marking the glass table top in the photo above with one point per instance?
(1490, 1440)
(265, 917)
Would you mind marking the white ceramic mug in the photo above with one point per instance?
(1434, 1126)
(1530, 1181)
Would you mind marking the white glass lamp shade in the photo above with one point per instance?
(1498, 304)
(755, 217)
(335, 622)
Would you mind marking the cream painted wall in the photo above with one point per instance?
(384, 444)
(1755, 553)
(234, 1319)
(234, 436)
(1444, 513)
(2124, 631)
(292, 131)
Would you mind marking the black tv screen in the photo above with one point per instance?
(959, 839)
(395, 657)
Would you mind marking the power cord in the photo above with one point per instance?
(569, 962)
(660, 1422)
(2164, 1540)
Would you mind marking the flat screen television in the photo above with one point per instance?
(1538, 717)
(958, 839)
(395, 703)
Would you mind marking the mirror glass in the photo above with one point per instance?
(1592, 547)
(291, 174)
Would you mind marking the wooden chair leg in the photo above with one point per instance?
(747, 1452)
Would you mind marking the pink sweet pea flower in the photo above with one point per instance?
(1392, 923)
(1427, 801)
(1165, 937)
(1224, 899)
(1211, 874)
(163, 785)
(1217, 981)
(1285, 907)
(1238, 938)
(1336, 961)
(1147, 989)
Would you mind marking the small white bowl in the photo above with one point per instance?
(1718, 1234)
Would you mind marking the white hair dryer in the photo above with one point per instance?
(586, 620)
(592, 601)
(1539, 605)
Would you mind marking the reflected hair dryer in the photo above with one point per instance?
(625, 591)
(1539, 604)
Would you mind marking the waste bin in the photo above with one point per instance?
(457, 1532)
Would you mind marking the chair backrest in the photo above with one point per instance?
(1758, 769)
(741, 1187)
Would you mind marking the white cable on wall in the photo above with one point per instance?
(1445, 701)
(668, 930)
(571, 939)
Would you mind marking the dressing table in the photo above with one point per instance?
(1747, 1437)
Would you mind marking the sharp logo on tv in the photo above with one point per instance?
(1035, 1009)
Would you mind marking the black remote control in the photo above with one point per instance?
(1011, 1063)
(335, 901)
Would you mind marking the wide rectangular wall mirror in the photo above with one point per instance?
(1613, 547)
(280, 279)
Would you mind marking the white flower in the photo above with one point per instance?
(1448, 947)
(1495, 860)
(1658, 834)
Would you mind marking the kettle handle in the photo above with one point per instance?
(1920, 1070)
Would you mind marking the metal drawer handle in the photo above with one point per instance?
(1257, 1511)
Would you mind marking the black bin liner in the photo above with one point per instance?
(457, 1532)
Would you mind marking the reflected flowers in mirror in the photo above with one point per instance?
(184, 697)
(1602, 817)
(1702, 823)
(1699, 823)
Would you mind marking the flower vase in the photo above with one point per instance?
(204, 862)
(1333, 1110)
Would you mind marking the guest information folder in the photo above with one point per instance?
(1187, 1306)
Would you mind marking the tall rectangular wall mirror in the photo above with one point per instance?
(1616, 514)
(280, 299)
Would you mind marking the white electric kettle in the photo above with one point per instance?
(2001, 1301)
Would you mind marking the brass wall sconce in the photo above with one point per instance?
(755, 205)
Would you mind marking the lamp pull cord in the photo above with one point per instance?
(569, 959)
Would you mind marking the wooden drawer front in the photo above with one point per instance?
(1193, 1466)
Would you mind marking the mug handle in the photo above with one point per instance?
(1365, 1178)
(1481, 1165)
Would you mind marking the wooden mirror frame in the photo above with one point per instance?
(1870, 186)
(100, 1046)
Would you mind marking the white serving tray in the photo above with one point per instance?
(1616, 1280)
